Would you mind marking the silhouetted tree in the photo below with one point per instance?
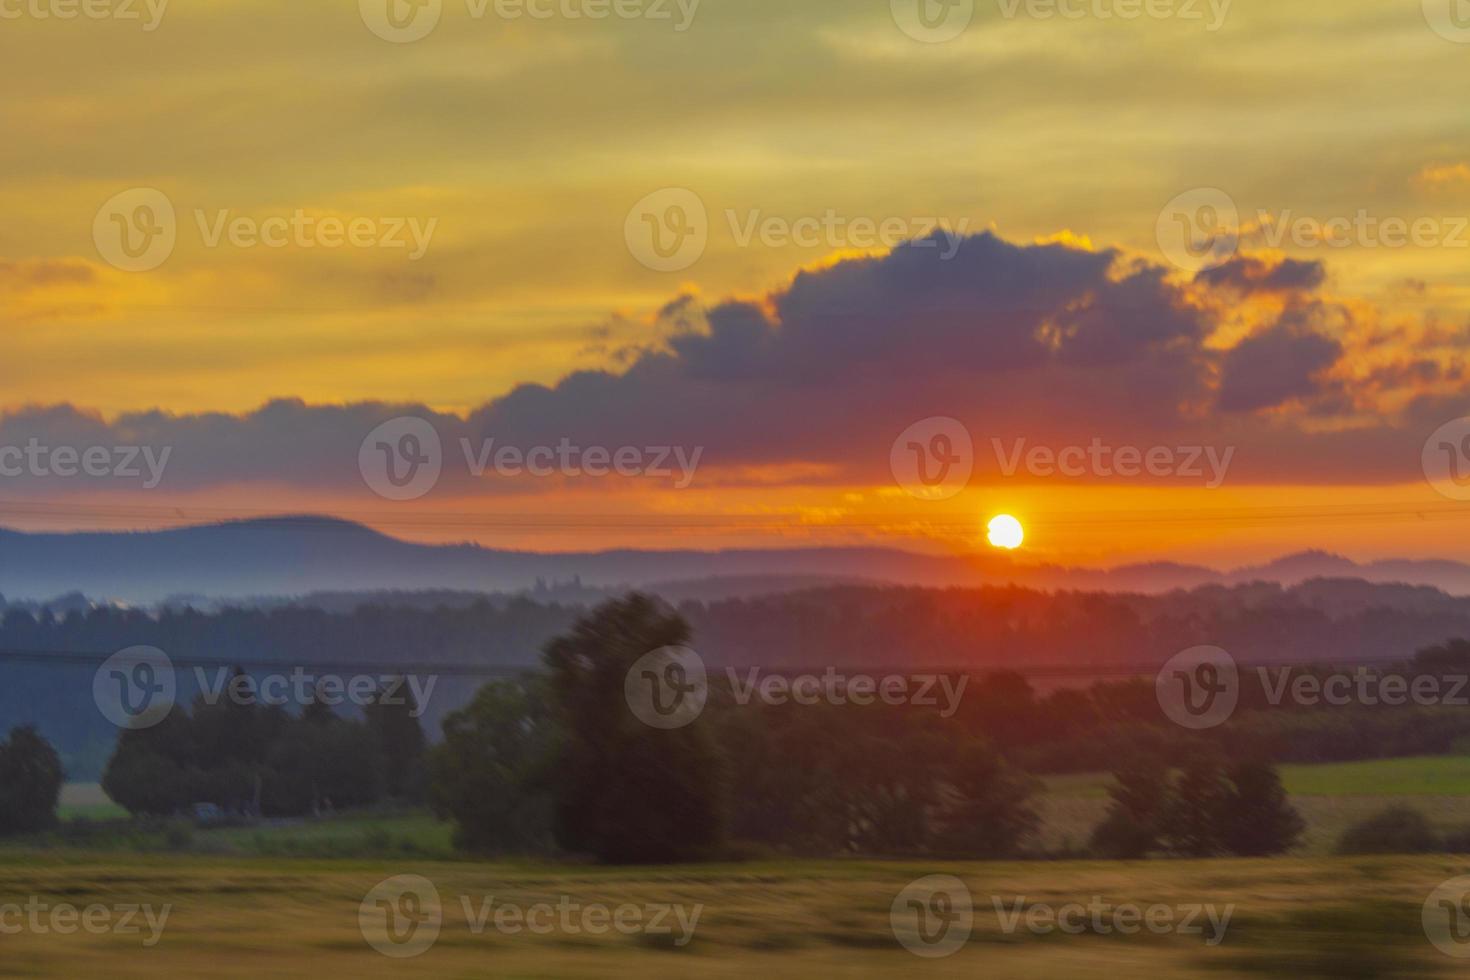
(991, 815)
(1256, 818)
(626, 792)
(490, 775)
(1140, 799)
(30, 783)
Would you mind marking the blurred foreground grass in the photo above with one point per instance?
(299, 918)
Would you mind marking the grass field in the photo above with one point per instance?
(299, 918)
(1330, 797)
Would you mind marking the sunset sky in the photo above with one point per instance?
(1056, 155)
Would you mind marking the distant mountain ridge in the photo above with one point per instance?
(299, 555)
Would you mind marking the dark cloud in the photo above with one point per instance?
(1252, 274)
(1051, 343)
(1277, 365)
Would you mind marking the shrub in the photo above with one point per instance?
(1396, 830)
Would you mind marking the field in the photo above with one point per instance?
(1330, 797)
(299, 918)
(282, 899)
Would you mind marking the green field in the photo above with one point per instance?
(1330, 797)
(1438, 775)
(299, 918)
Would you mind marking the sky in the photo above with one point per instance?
(789, 255)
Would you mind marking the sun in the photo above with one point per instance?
(1006, 532)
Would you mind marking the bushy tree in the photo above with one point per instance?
(491, 774)
(1256, 819)
(1395, 830)
(30, 782)
(626, 792)
(1139, 801)
(1210, 807)
(1192, 818)
(990, 815)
